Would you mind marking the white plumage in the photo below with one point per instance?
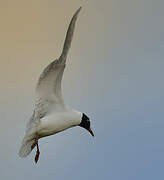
(51, 115)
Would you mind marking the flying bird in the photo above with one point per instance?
(51, 115)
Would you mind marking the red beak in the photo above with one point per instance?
(91, 132)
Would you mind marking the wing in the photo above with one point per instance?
(48, 90)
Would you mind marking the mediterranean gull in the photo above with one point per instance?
(51, 115)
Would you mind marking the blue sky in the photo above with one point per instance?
(114, 74)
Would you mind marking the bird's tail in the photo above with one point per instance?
(26, 147)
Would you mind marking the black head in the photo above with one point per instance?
(85, 123)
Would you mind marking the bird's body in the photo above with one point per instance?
(51, 115)
(57, 122)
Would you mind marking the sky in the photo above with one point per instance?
(114, 74)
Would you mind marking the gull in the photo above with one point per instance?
(51, 115)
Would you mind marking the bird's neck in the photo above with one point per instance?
(75, 116)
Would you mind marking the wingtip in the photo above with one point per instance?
(69, 35)
(80, 8)
(77, 12)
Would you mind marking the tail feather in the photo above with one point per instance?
(26, 149)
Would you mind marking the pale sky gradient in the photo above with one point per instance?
(114, 74)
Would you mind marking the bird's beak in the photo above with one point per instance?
(91, 132)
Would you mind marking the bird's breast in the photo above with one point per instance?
(52, 124)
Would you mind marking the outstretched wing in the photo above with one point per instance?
(48, 90)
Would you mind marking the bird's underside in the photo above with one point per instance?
(48, 94)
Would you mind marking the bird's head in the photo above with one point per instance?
(85, 123)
